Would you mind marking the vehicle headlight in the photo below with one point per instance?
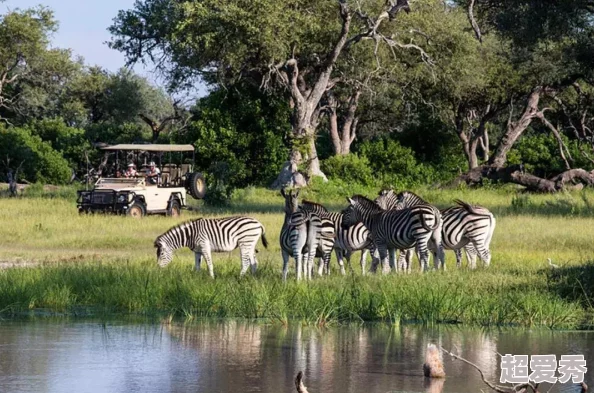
(122, 199)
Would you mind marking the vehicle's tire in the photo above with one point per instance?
(136, 210)
(174, 209)
(196, 185)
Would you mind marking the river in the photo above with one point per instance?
(46, 355)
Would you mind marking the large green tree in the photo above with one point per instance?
(292, 47)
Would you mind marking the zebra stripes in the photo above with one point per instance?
(204, 236)
(464, 226)
(304, 236)
(354, 238)
(397, 229)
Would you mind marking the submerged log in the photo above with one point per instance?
(299, 383)
(433, 366)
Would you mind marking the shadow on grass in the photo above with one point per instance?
(573, 283)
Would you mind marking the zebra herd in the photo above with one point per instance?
(391, 222)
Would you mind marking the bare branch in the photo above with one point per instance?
(562, 147)
(475, 26)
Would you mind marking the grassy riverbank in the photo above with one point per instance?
(107, 264)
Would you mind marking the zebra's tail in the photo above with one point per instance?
(472, 209)
(264, 240)
(437, 221)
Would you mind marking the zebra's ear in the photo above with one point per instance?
(351, 201)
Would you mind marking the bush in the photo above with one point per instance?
(394, 164)
(350, 169)
(540, 154)
(70, 142)
(41, 163)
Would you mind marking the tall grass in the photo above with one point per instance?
(108, 264)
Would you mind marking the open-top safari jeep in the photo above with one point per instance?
(135, 195)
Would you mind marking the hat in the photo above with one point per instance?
(131, 165)
(152, 163)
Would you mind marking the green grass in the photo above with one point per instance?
(107, 264)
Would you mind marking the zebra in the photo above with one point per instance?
(397, 229)
(464, 226)
(304, 236)
(204, 236)
(348, 240)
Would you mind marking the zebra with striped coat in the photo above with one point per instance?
(397, 229)
(205, 236)
(464, 226)
(304, 236)
(355, 238)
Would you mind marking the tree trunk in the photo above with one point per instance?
(515, 129)
(343, 133)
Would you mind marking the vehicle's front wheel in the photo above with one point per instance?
(174, 209)
(136, 210)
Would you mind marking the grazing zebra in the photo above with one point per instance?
(464, 226)
(397, 229)
(348, 240)
(204, 236)
(304, 236)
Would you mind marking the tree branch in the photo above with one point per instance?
(475, 26)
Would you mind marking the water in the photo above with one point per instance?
(74, 356)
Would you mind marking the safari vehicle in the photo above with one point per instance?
(135, 196)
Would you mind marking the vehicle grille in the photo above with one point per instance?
(103, 198)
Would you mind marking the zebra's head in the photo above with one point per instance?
(386, 199)
(291, 200)
(406, 199)
(164, 253)
(351, 215)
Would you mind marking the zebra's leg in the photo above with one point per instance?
(392, 259)
(197, 260)
(285, 264)
(440, 252)
(423, 254)
(375, 260)
(401, 261)
(321, 266)
(339, 258)
(458, 253)
(409, 257)
(471, 254)
(208, 257)
(245, 260)
(483, 253)
(383, 254)
(363, 261)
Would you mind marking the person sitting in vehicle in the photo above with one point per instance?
(131, 171)
(153, 173)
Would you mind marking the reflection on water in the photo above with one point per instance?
(232, 356)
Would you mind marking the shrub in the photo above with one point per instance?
(395, 164)
(350, 169)
(41, 163)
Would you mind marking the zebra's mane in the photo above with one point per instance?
(314, 204)
(366, 202)
(400, 194)
(167, 232)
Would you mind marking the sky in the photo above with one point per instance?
(83, 28)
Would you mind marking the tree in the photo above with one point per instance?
(280, 46)
(548, 41)
(26, 63)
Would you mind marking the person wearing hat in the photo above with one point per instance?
(153, 173)
(131, 171)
